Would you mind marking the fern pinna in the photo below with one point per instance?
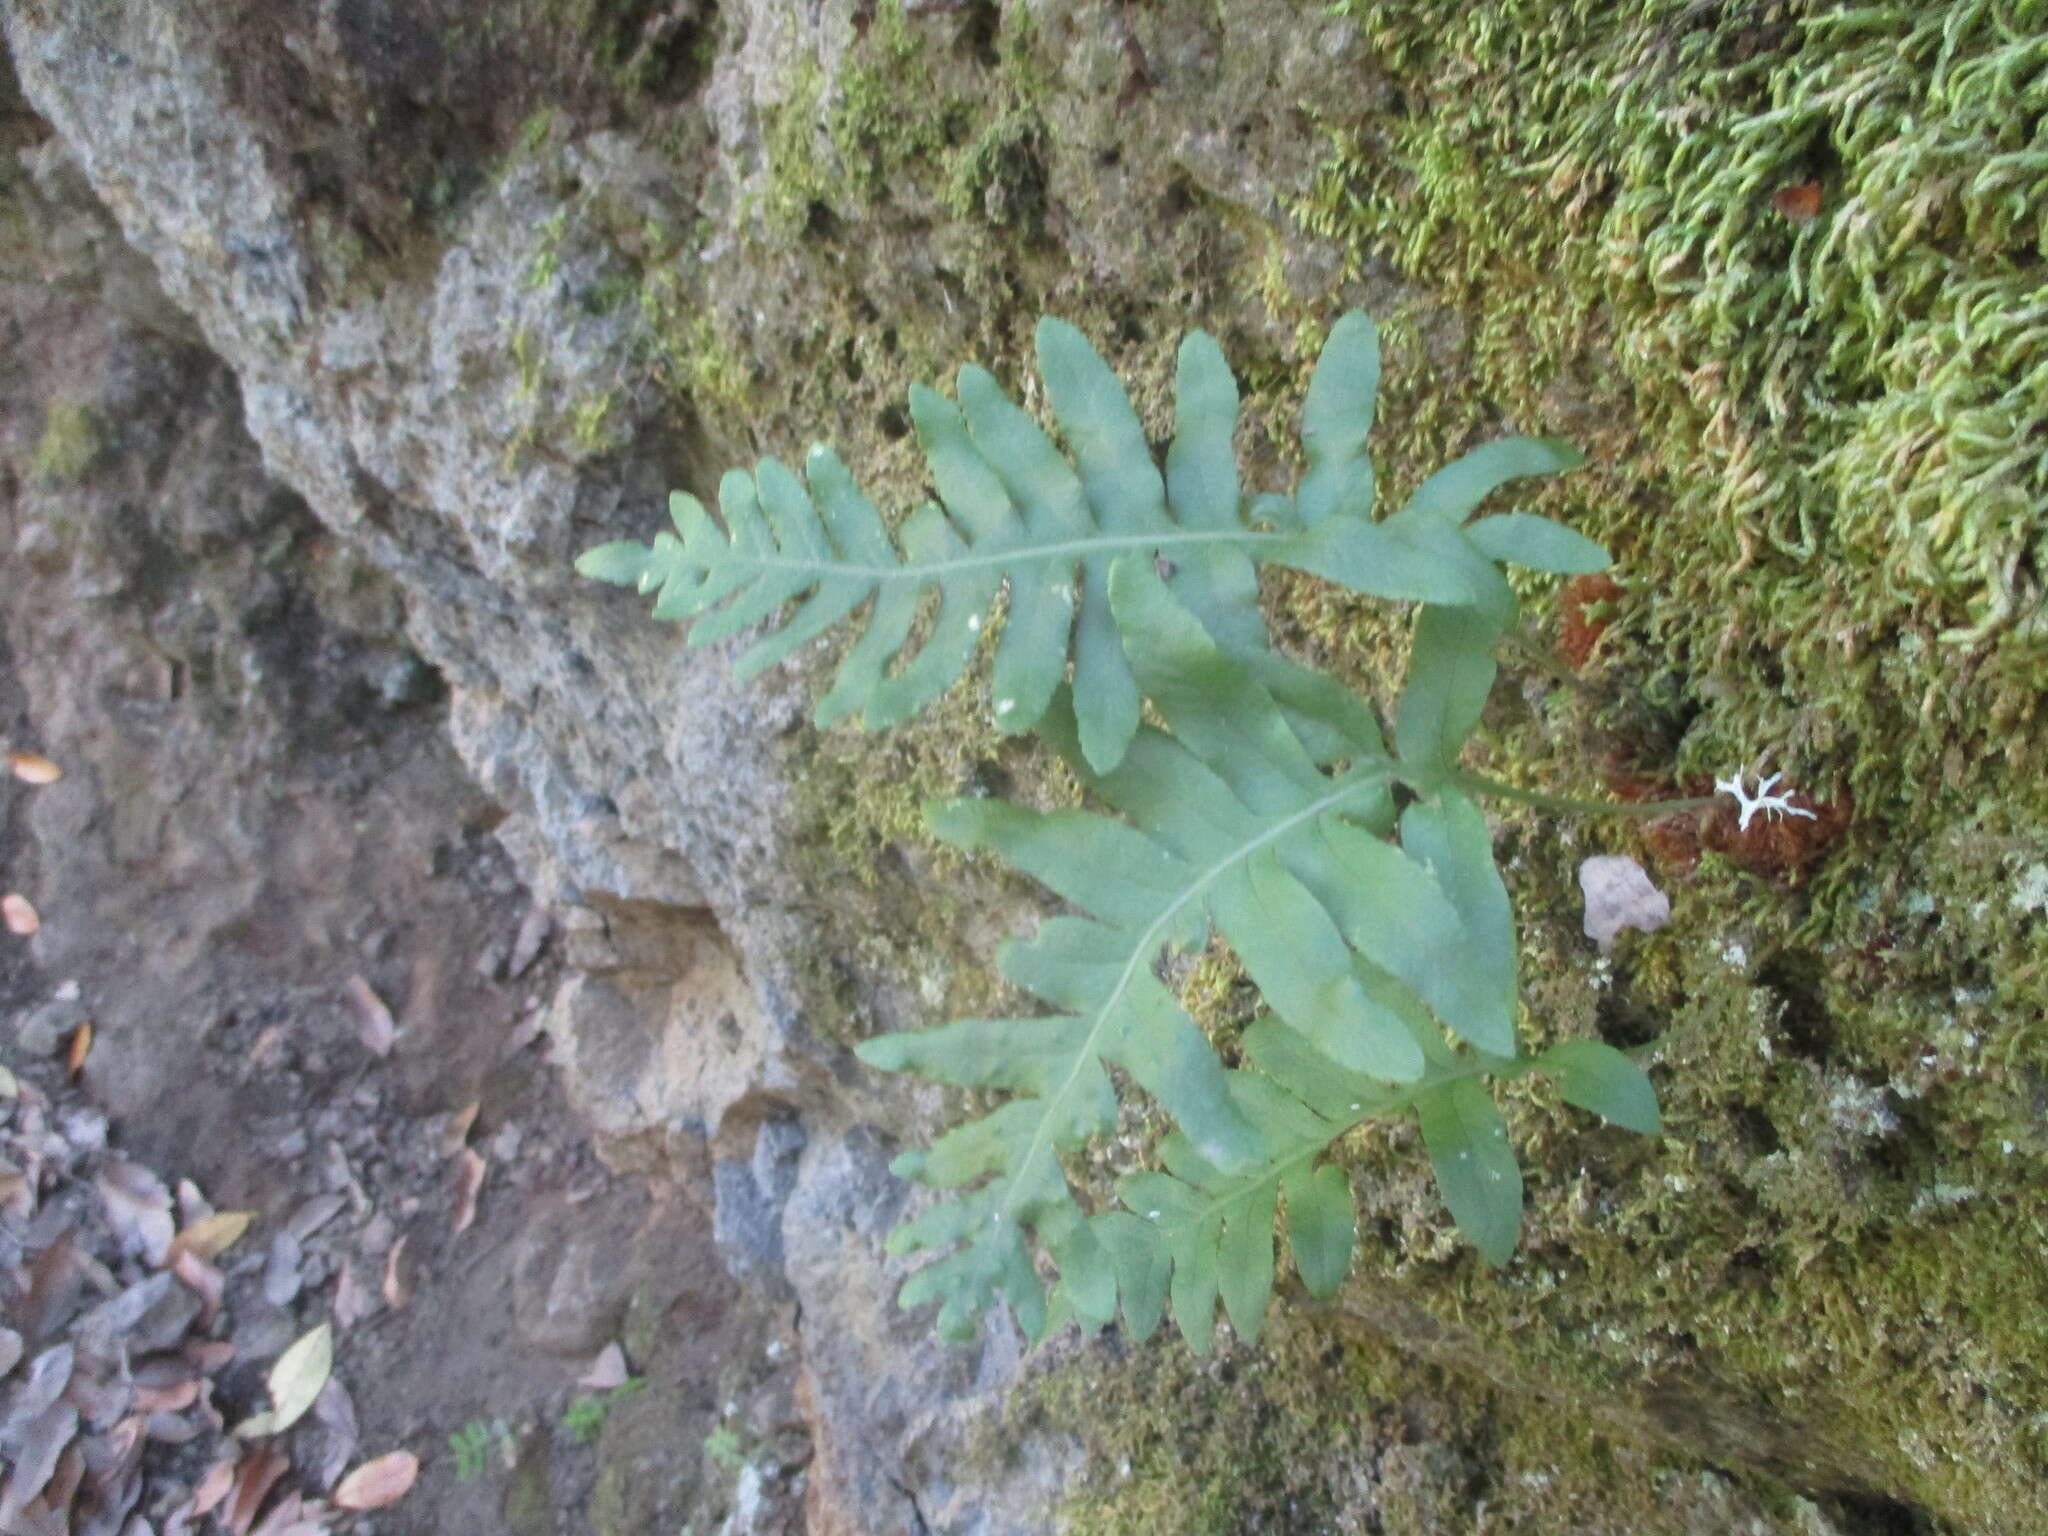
(1263, 807)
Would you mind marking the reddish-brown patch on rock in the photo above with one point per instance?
(1578, 630)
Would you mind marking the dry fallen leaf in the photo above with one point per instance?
(211, 1236)
(255, 1476)
(138, 1207)
(294, 1516)
(209, 1355)
(335, 1414)
(19, 915)
(377, 1483)
(41, 1442)
(33, 768)
(397, 1289)
(281, 1279)
(469, 1178)
(295, 1381)
(1619, 895)
(314, 1214)
(1800, 203)
(203, 1280)
(17, 1195)
(455, 1135)
(167, 1399)
(608, 1370)
(79, 1049)
(374, 1025)
(213, 1487)
(351, 1300)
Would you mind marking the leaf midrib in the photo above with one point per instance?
(1363, 779)
(1014, 554)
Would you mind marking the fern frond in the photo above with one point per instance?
(1369, 949)
(1014, 512)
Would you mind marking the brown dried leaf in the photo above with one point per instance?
(209, 1355)
(397, 1288)
(33, 768)
(21, 917)
(255, 1476)
(203, 1280)
(117, 1453)
(455, 1135)
(78, 1050)
(377, 1483)
(55, 1277)
(374, 1025)
(469, 1179)
(351, 1299)
(167, 1399)
(211, 1236)
(293, 1516)
(213, 1487)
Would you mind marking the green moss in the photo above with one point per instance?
(1816, 432)
(69, 444)
(1328, 1427)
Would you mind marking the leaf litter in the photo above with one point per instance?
(114, 1340)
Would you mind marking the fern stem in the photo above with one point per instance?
(1480, 784)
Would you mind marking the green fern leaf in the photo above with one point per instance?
(1362, 946)
(1475, 1167)
(1597, 1077)
(1212, 1232)
(1015, 514)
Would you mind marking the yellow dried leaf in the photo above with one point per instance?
(377, 1483)
(211, 1236)
(79, 1049)
(33, 768)
(295, 1380)
(21, 917)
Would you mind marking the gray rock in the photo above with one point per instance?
(747, 1222)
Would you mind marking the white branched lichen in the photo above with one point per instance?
(1763, 800)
